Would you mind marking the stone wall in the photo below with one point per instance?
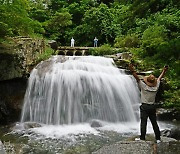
(16, 60)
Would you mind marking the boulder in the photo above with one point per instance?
(28, 125)
(172, 133)
(53, 44)
(168, 145)
(96, 123)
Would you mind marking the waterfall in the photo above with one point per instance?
(76, 89)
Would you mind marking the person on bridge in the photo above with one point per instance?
(95, 42)
(72, 42)
(149, 87)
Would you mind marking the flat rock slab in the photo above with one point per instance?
(167, 146)
(127, 147)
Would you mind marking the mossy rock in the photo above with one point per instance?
(122, 63)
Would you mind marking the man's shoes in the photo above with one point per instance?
(158, 141)
(137, 139)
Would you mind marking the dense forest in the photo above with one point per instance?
(150, 29)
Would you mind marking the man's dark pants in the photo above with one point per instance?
(146, 111)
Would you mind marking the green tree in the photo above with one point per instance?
(97, 22)
(129, 41)
(143, 8)
(57, 5)
(39, 10)
(4, 30)
(153, 37)
(77, 11)
(55, 26)
(14, 14)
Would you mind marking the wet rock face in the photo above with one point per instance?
(121, 59)
(17, 58)
(11, 99)
(11, 66)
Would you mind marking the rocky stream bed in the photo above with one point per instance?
(33, 138)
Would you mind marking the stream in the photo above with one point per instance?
(67, 139)
(76, 105)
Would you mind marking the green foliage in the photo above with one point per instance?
(171, 96)
(77, 11)
(138, 52)
(55, 25)
(60, 20)
(47, 54)
(37, 27)
(40, 15)
(14, 18)
(142, 8)
(169, 51)
(153, 37)
(99, 22)
(169, 18)
(103, 50)
(4, 30)
(129, 41)
(56, 5)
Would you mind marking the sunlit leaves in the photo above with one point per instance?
(14, 14)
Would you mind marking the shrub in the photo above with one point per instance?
(129, 41)
(153, 37)
(103, 50)
(4, 30)
(48, 53)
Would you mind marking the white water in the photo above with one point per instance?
(54, 131)
(73, 131)
(71, 90)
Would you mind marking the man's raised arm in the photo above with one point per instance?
(131, 68)
(163, 72)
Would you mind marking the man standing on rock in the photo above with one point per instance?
(95, 42)
(149, 87)
(72, 42)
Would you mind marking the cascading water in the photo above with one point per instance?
(67, 90)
